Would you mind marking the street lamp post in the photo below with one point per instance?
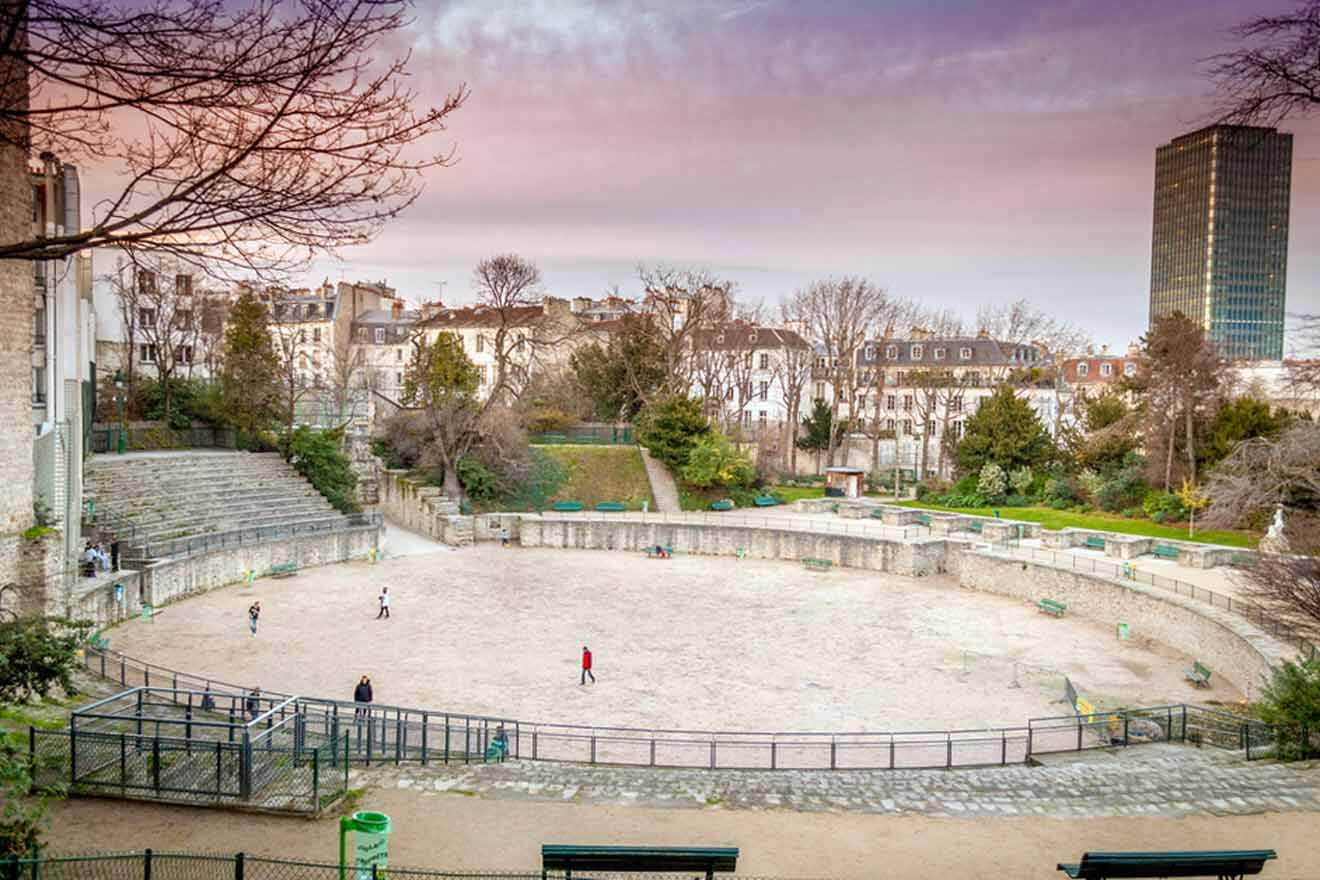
(120, 400)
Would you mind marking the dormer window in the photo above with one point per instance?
(719, 339)
(751, 337)
(891, 352)
(1106, 369)
(916, 352)
(965, 353)
(1083, 368)
(939, 353)
(869, 353)
(1129, 369)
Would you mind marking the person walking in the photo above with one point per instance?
(254, 703)
(384, 603)
(586, 667)
(362, 696)
(254, 612)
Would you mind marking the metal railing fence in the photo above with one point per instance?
(212, 541)
(855, 528)
(395, 734)
(149, 864)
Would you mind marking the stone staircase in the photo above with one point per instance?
(165, 496)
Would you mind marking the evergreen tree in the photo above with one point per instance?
(1240, 419)
(249, 378)
(671, 428)
(1006, 431)
(816, 433)
(622, 375)
(442, 382)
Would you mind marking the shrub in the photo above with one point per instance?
(1134, 513)
(1090, 483)
(1021, 480)
(318, 457)
(1061, 492)
(671, 428)
(389, 456)
(992, 484)
(1164, 507)
(1291, 702)
(931, 487)
(1016, 501)
(1125, 488)
(714, 461)
(479, 482)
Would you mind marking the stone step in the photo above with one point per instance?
(183, 516)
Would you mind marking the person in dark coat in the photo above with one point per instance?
(254, 703)
(586, 666)
(362, 695)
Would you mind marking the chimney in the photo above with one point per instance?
(1104, 350)
(581, 303)
(396, 309)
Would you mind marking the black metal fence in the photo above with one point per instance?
(395, 734)
(139, 436)
(596, 434)
(150, 865)
(213, 541)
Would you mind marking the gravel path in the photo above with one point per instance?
(663, 487)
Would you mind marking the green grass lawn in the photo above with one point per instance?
(1065, 519)
(601, 473)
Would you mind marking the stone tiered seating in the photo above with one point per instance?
(180, 495)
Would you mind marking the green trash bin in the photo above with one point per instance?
(371, 834)
(146, 612)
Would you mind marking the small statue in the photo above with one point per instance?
(1275, 541)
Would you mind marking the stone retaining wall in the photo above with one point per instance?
(172, 579)
(424, 509)
(1231, 646)
(914, 558)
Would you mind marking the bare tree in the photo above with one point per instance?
(1275, 75)
(791, 372)
(1263, 473)
(1021, 323)
(681, 302)
(1180, 376)
(298, 370)
(343, 377)
(840, 314)
(161, 321)
(509, 289)
(258, 134)
(1287, 588)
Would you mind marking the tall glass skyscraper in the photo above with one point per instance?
(1219, 253)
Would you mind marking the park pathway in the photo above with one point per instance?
(1153, 780)
(663, 487)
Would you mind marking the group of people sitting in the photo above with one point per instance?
(95, 559)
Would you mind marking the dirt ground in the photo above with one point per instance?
(465, 833)
(690, 642)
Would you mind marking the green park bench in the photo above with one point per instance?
(1165, 551)
(724, 504)
(974, 526)
(284, 569)
(611, 507)
(924, 519)
(699, 860)
(554, 438)
(1200, 863)
(99, 641)
(659, 552)
(765, 501)
(812, 564)
(1241, 559)
(1198, 675)
(877, 514)
(566, 506)
(1094, 542)
(1051, 606)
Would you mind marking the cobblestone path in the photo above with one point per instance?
(1163, 780)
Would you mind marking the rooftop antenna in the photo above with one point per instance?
(440, 290)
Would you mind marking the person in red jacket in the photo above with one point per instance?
(586, 666)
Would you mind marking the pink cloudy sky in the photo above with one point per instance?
(958, 151)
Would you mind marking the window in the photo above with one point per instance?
(939, 353)
(1083, 368)
(1129, 369)
(964, 353)
(930, 427)
(302, 361)
(146, 317)
(302, 336)
(147, 353)
(481, 343)
(889, 425)
(728, 395)
(380, 335)
(765, 361)
(869, 352)
(907, 426)
(751, 337)
(183, 285)
(820, 391)
(398, 379)
(916, 352)
(398, 355)
(746, 417)
(889, 401)
(761, 418)
(184, 354)
(907, 402)
(1106, 369)
(362, 334)
(956, 429)
(183, 319)
(955, 405)
(39, 321)
(38, 386)
(316, 334)
(891, 352)
(146, 281)
(482, 370)
(765, 390)
(974, 379)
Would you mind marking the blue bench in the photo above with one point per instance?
(1199, 863)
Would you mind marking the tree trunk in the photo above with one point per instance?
(1191, 443)
(453, 489)
(1168, 458)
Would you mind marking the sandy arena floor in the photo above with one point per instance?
(691, 642)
